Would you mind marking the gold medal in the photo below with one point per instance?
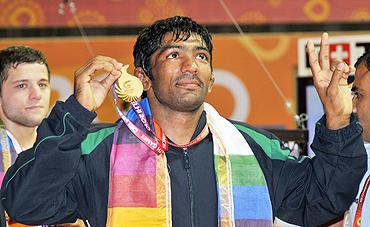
(129, 88)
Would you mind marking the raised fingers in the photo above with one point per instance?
(312, 58)
(339, 77)
(334, 64)
(324, 58)
(99, 63)
(347, 70)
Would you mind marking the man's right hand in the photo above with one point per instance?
(331, 84)
(89, 91)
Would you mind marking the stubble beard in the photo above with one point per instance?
(24, 119)
(180, 102)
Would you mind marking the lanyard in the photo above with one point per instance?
(158, 146)
(151, 143)
(361, 200)
(199, 138)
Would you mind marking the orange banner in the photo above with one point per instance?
(243, 91)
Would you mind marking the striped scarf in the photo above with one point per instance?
(139, 190)
(8, 156)
(7, 153)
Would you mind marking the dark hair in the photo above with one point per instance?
(150, 38)
(16, 55)
(364, 59)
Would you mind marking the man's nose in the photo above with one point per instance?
(35, 92)
(189, 65)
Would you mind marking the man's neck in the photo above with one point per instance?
(178, 126)
(25, 136)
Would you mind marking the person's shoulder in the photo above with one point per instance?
(250, 130)
(263, 140)
(98, 133)
(94, 127)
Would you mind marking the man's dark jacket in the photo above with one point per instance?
(66, 174)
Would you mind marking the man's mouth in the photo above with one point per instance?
(36, 107)
(188, 84)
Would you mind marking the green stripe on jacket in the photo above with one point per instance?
(93, 139)
(270, 146)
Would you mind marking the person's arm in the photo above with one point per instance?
(40, 187)
(330, 81)
(324, 187)
(305, 191)
(311, 192)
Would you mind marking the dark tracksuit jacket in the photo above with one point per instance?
(66, 174)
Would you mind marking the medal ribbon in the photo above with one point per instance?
(158, 146)
(361, 200)
(153, 144)
(199, 138)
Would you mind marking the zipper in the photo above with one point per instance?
(190, 184)
(88, 223)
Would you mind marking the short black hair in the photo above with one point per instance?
(364, 59)
(150, 38)
(16, 55)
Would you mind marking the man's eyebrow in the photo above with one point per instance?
(354, 88)
(166, 47)
(19, 81)
(26, 80)
(202, 48)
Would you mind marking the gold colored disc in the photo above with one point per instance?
(129, 88)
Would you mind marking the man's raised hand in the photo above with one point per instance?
(88, 90)
(330, 81)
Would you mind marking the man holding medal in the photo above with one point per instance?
(173, 160)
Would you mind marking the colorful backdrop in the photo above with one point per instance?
(44, 13)
(243, 90)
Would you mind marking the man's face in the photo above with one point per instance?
(361, 99)
(25, 95)
(182, 73)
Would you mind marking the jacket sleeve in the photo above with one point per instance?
(310, 192)
(40, 188)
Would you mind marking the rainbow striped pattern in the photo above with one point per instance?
(139, 194)
(7, 153)
(250, 196)
(139, 190)
(242, 190)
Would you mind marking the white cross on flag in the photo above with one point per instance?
(345, 48)
(340, 51)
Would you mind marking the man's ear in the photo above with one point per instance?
(211, 83)
(139, 73)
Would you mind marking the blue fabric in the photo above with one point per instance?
(146, 108)
(248, 206)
